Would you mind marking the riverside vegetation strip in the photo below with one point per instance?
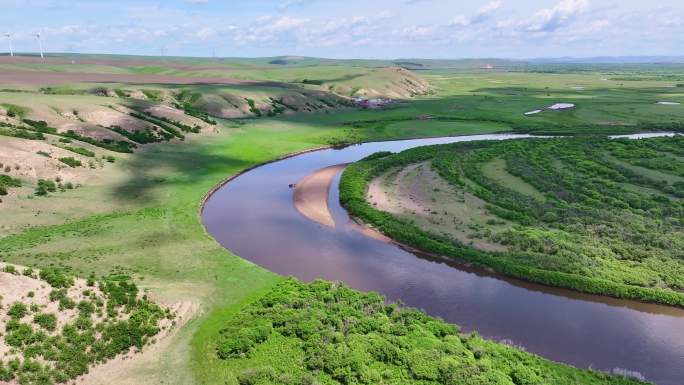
(598, 215)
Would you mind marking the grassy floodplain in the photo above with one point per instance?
(591, 214)
(139, 215)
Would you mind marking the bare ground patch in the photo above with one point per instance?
(418, 193)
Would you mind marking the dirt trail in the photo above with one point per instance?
(311, 195)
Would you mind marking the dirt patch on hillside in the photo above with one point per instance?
(108, 118)
(31, 291)
(24, 161)
(176, 115)
(22, 285)
(122, 369)
(92, 131)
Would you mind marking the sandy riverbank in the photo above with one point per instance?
(311, 195)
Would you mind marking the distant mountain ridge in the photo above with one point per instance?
(611, 60)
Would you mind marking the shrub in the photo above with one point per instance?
(17, 310)
(40, 126)
(81, 151)
(71, 162)
(14, 111)
(47, 321)
(56, 278)
(44, 187)
(252, 107)
(257, 376)
(7, 182)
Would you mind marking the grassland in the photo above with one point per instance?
(591, 214)
(139, 214)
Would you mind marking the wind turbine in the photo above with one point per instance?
(40, 42)
(9, 38)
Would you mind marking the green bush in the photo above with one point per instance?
(40, 126)
(71, 162)
(14, 111)
(56, 278)
(80, 150)
(17, 310)
(7, 182)
(44, 187)
(117, 146)
(47, 321)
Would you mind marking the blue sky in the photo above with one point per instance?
(351, 28)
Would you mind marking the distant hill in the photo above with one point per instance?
(612, 60)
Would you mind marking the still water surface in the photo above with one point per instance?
(254, 217)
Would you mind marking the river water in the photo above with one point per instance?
(254, 217)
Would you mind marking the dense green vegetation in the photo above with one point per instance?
(111, 319)
(80, 150)
(71, 161)
(16, 132)
(327, 333)
(609, 221)
(45, 186)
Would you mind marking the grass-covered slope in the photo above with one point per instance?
(327, 333)
(591, 214)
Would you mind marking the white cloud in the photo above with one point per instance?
(365, 29)
(293, 3)
(482, 15)
(550, 20)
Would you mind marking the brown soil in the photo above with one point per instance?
(108, 118)
(176, 115)
(15, 288)
(25, 163)
(418, 193)
(130, 368)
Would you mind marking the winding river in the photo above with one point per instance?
(254, 216)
